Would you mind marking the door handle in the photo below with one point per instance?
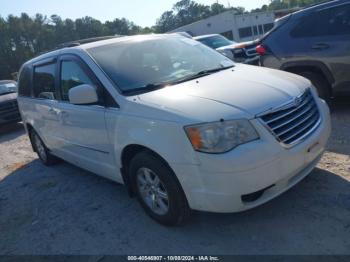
(320, 46)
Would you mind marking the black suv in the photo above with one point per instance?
(314, 43)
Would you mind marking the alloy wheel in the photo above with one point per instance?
(152, 191)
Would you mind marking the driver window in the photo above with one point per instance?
(72, 75)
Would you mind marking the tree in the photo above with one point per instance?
(24, 37)
(166, 22)
(217, 8)
(285, 4)
(188, 11)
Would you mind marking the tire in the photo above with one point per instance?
(320, 83)
(42, 151)
(166, 202)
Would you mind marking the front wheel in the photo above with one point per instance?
(158, 190)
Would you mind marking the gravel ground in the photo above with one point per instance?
(66, 210)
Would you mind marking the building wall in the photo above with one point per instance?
(254, 25)
(236, 27)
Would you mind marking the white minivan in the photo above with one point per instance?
(182, 126)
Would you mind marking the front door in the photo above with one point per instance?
(84, 126)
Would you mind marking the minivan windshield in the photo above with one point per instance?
(7, 88)
(215, 41)
(146, 63)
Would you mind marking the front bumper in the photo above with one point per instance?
(220, 183)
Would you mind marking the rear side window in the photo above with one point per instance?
(24, 82)
(44, 81)
(339, 20)
(330, 22)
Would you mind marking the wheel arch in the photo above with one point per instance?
(313, 66)
(29, 128)
(131, 150)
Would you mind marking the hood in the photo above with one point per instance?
(8, 97)
(243, 91)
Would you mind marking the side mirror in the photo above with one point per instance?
(83, 95)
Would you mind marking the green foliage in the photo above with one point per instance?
(187, 11)
(24, 37)
(285, 4)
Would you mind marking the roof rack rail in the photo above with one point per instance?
(79, 42)
(86, 41)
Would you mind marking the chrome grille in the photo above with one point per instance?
(9, 111)
(291, 124)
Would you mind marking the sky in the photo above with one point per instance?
(141, 12)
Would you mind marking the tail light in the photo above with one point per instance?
(260, 50)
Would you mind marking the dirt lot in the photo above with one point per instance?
(65, 210)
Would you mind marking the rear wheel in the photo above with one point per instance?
(43, 153)
(320, 83)
(158, 190)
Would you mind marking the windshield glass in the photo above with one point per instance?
(216, 41)
(142, 63)
(8, 88)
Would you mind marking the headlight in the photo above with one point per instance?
(8, 88)
(222, 136)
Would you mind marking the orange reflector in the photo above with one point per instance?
(195, 137)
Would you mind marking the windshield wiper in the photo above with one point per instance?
(146, 88)
(201, 74)
(214, 70)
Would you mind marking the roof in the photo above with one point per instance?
(87, 40)
(319, 6)
(76, 46)
(127, 39)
